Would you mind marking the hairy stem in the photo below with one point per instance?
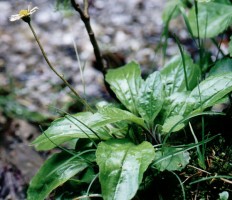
(83, 101)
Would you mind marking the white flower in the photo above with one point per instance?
(23, 13)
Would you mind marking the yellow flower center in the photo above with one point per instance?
(24, 13)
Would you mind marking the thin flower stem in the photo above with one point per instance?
(83, 101)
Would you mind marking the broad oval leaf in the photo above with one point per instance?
(68, 128)
(85, 125)
(171, 159)
(221, 66)
(111, 115)
(125, 82)
(208, 93)
(151, 98)
(213, 18)
(173, 105)
(172, 123)
(55, 171)
(173, 74)
(169, 9)
(122, 164)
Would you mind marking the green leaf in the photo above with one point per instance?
(224, 195)
(230, 46)
(171, 159)
(171, 122)
(125, 82)
(223, 1)
(68, 128)
(168, 9)
(88, 176)
(213, 19)
(151, 98)
(111, 115)
(63, 5)
(210, 91)
(122, 165)
(222, 66)
(12, 108)
(55, 171)
(173, 74)
(173, 105)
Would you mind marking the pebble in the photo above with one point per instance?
(120, 26)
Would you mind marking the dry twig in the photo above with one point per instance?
(86, 20)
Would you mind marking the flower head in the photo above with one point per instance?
(24, 14)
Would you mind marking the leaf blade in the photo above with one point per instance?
(112, 115)
(151, 98)
(173, 74)
(122, 165)
(210, 91)
(171, 159)
(68, 128)
(213, 19)
(125, 82)
(55, 171)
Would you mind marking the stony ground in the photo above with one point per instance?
(131, 28)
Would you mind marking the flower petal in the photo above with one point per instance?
(15, 17)
(33, 10)
(23, 13)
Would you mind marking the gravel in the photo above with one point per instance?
(131, 27)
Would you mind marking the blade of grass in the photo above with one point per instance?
(198, 34)
(80, 67)
(209, 178)
(165, 34)
(186, 119)
(186, 22)
(181, 184)
(186, 148)
(68, 151)
(183, 61)
(64, 112)
(218, 47)
(58, 146)
(200, 154)
(197, 21)
(90, 185)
